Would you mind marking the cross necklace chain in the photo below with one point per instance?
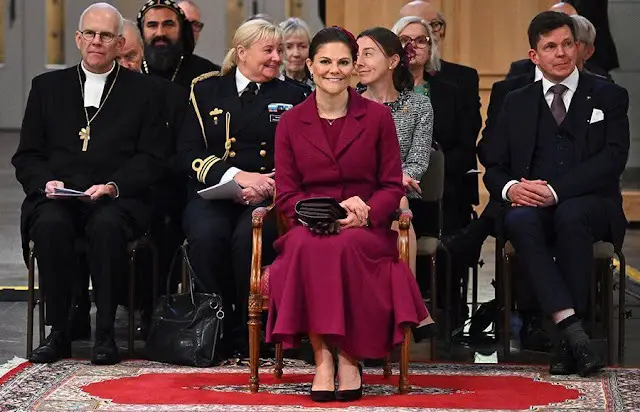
(175, 73)
(85, 132)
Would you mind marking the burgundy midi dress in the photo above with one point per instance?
(351, 287)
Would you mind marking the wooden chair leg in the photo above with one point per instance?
(622, 291)
(132, 291)
(386, 366)
(403, 383)
(255, 310)
(434, 301)
(30, 303)
(277, 372)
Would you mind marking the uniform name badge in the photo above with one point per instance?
(276, 110)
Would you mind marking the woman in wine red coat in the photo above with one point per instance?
(347, 290)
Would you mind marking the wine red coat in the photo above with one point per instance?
(366, 160)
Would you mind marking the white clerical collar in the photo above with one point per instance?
(538, 74)
(94, 85)
(570, 81)
(242, 81)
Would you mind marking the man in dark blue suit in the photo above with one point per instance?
(556, 155)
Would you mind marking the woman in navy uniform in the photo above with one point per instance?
(229, 134)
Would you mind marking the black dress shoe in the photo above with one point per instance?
(351, 395)
(424, 332)
(55, 347)
(587, 360)
(105, 351)
(562, 361)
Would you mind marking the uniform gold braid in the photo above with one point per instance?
(202, 174)
(192, 98)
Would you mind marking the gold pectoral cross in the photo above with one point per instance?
(84, 136)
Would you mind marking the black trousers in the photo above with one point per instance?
(219, 234)
(107, 225)
(567, 232)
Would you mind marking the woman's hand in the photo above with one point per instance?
(356, 206)
(352, 220)
(410, 183)
(256, 187)
(250, 197)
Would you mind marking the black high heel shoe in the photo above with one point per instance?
(424, 332)
(351, 395)
(325, 396)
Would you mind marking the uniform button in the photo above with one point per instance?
(233, 140)
(232, 154)
(263, 143)
(262, 169)
(263, 153)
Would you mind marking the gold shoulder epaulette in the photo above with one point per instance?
(204, 76)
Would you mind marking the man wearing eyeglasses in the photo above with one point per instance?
(466, 78)
(192, 11)
(169, 42)
(91, 145)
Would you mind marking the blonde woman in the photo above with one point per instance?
(297, 38)
(227, 135)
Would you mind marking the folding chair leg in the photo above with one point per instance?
(41, 308)
(30, 303)
(506, 300)
(608, 309)
(132, 292)
(434, 301)
(403, 383)
(621, 305)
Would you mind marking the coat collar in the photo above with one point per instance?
(352, 128)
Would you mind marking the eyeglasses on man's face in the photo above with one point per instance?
(105, 36)
(436, 25)
(420, 42)
(197, 25)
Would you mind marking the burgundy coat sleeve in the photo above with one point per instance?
(288, 177)
(386, 198)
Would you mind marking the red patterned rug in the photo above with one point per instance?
(146, 386)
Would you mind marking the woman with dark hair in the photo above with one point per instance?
(383, 67)
(344, 288)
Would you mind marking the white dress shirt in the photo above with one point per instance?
(571, 82)
(94, 86)
(242, 82)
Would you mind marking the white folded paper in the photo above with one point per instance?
(222, 191)
(64, 192)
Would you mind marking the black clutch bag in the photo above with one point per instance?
(185, 327)
(319, 211)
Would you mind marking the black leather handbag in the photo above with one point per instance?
(185, 327)
(318, 211)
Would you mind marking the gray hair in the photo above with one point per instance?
(133, 26)
(103, 6)
(585, 30)
(294, 25)
(433, 64)
(189, 2)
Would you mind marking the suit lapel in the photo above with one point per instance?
(529, 107)
(229, 95)
(577, 120)
(310, 127)
(352, 127)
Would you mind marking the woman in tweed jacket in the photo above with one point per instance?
(383, 67)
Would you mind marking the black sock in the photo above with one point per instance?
(572, 331)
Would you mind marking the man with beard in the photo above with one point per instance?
(169, 43)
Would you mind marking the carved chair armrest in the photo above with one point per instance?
(403, 216)
(257, 221)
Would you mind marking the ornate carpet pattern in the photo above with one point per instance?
(147, 386)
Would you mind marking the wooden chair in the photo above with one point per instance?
(601, 280)
(259, 298)
(132, 249)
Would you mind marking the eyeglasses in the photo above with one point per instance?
(436, 25)
(197, 25)
(420, 42)
(105, 37)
